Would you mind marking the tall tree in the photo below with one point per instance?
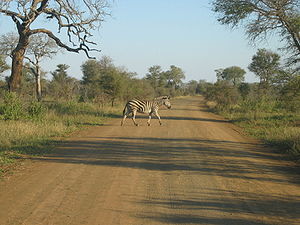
(77, 18)
(62, 85)
(154, 76)
(263, 17)
(91, 70)
(234, 74)
(112, 81)
(174, 76)
(265, 65)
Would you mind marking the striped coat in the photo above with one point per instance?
(146, 107)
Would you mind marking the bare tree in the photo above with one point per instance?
(40, 46)
(75, 17)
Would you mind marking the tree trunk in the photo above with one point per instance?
(38, 87)
(17, 63)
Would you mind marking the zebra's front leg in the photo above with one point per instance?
(148, 122)
(158, 117)
(133, 118)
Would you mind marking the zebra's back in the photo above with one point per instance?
(140, 105)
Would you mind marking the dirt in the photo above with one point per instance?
(197, 168)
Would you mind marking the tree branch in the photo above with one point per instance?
(82, 47)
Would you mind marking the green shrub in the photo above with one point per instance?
(12, 108)
(36, 110)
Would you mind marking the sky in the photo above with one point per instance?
(140, 34)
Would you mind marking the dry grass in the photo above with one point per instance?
(280, 129)
(19, 138)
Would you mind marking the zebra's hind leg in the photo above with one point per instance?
(124, 117)
(148, 122)
(133, 118)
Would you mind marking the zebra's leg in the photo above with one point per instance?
(125, 114)
(133, 118)
(158, 117)
(148, 122)
(124, 117)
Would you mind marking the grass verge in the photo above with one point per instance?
(280, 129)
(28, 136)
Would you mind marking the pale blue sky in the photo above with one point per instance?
(164, 32)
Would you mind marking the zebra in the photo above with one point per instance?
(147, 107)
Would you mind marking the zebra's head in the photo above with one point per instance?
(166, 101)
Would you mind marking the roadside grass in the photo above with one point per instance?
(278, 128)
(30, 135)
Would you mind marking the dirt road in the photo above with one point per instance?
(195, 169)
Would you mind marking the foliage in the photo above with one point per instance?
(263, 17)
(290, 94)
(36, 110)
(174, 76)
(154, 76)
(63, 86)
(244, 90)
(223, 93)
(12, 108)
(233, 74)
(265, 65)
(191, 87)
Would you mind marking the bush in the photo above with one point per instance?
(12, 108)
(36, 110)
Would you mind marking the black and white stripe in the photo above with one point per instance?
(146, 107)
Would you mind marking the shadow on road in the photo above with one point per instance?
(224, 158)
(228, 159)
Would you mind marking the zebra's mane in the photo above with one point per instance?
(160, 99)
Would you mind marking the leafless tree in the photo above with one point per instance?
(76, 18)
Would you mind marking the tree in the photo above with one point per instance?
(76, 18)
(174, 76)
(265, 64)
(111, 81)
(234, 74)
(263, 17)
(223, 94)
(244, 90)
(154, 76)
(91, 70)
(62, 85)
(191, 87)
(290, 93)
(40, 47)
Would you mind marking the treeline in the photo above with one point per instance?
(102, 82)
(278, 87)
